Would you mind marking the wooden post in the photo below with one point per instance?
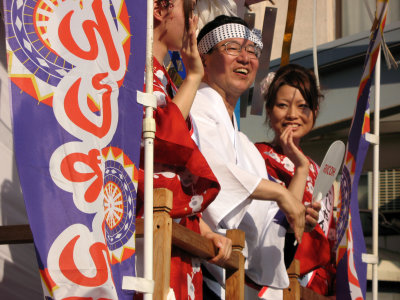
(293, 291)
(162, 243)
(234, 285)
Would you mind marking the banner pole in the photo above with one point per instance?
(315, 53)
(148, 135)
(375, 192)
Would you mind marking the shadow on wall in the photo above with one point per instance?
(18, 267)
(19, 273)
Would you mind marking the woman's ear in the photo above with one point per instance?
(268, 111)
(158, 11)
(315, 115)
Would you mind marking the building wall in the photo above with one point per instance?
(302, 34)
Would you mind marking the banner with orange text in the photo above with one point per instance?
(74, 68)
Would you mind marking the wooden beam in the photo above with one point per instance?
(287, 38)
(308, 294)
(22, 234)
(139, 228)
(15, 234)
(199, 246)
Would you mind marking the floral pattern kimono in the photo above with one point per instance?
(180, 167)
(315, 250)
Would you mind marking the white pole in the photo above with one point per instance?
(148, 135)
(375, 191)
(315, 43)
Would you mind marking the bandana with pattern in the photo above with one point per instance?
(228, 31)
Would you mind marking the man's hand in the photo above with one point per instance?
(294, 211)
(312, 216)
(223, 244)
(292, 207)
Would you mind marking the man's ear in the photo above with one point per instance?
(203, 59)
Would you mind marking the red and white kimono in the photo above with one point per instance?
(180, 167)
(314, 252)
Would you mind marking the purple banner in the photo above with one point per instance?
(351, 276)
(74, 69)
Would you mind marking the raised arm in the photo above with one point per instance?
(298, 183)
(301, 162)
(194, 70)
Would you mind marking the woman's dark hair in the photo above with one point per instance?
(219, 21)
(188, 11)
(164, 3)
(300, 78)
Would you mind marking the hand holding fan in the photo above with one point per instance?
(329, 169)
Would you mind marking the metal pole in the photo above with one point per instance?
(315, 53)
(148, 135)
(375, 190)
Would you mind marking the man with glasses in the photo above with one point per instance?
(247, 200)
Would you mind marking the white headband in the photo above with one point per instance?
(227, 31)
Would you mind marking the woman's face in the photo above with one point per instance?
(291, 110)
(175, 25)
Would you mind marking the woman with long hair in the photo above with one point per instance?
(292, 105)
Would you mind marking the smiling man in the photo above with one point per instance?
(230, 52)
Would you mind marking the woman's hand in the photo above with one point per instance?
(190, 54)
(301, 162)
(194, 70)
(292, 151)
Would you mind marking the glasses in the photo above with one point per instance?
(234, 48)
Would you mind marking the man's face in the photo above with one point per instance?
(230, 75)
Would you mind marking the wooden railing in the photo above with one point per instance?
(297, 292)
(169, 234)
(166, 234)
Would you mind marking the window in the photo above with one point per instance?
(352, 16)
